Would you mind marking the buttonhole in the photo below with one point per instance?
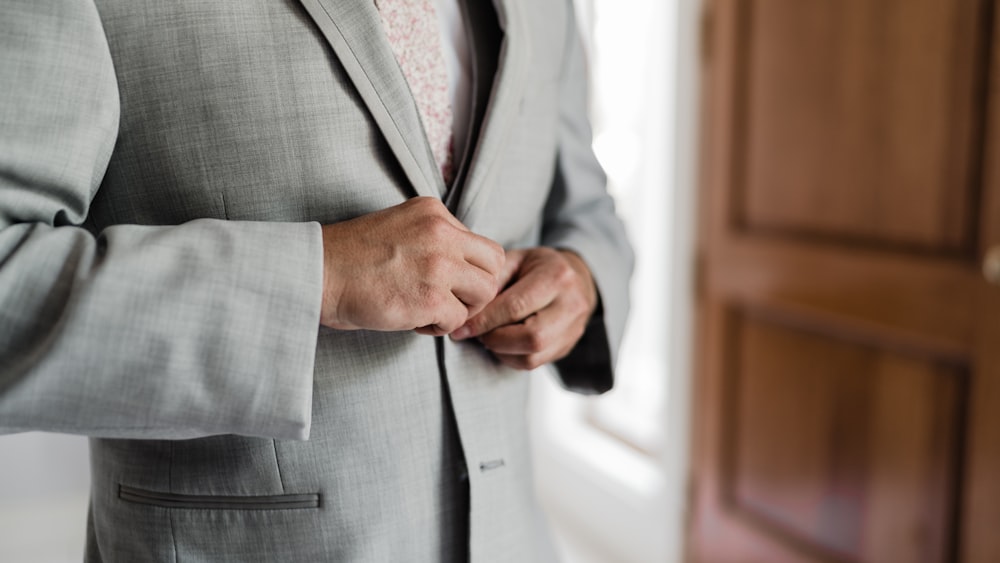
(490, 465)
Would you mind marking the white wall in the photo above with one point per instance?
(608, 500)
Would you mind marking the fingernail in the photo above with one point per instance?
(462, 333)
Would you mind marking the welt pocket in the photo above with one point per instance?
(217, 502)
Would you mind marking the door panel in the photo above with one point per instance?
(859, 119)
(848, 377)
(840, 444)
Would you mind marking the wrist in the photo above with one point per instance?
(583, 272)
(332, 283)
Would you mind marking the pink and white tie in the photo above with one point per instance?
(412, 29)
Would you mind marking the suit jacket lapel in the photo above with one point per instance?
(354, 30)
(501, 110)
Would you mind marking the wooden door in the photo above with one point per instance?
(848, 379)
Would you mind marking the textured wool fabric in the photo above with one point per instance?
(164, 171)
(412, 29)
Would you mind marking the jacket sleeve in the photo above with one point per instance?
(164, 332)
(580, 216)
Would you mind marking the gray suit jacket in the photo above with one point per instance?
(164, 169)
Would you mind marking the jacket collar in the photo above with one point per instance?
(354, 31)
(502, 109)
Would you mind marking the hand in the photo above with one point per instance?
(412, 266)
(542, 315)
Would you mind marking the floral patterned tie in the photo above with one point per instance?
(412, 29)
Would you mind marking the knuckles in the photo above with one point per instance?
(437, 227)
(577, 304)
(450, 323)
(425, 203)
(563, 273)
(525, 363)
(499, 257)
(436, 267)
(533, 362)
(535, 342)
(516, 308)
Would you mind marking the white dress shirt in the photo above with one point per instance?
(458, 61)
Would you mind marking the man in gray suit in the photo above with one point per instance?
(228, 255)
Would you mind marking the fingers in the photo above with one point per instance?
(473, 281)
(411, 265)
(447, 231)
(513, 261)
(536, 334)
(484, 254)
(464, 273)
(447, 314)
(538, 282)
(542, 315)
(466, 266)
(475, 288)
(542, 338)
(452, 291)
(435, 207)
(532, 361)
